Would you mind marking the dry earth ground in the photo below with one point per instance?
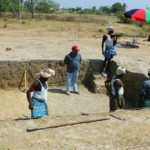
(53, 40)
(131, 133)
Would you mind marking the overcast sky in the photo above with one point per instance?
(131, 4)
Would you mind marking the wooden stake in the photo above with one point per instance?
(25, 80)
(117, 117)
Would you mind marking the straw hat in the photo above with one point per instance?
(46, 73)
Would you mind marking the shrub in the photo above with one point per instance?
(123, 19)
(100, 30)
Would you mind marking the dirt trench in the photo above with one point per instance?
(11, 76)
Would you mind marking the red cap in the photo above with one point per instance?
(75, 48)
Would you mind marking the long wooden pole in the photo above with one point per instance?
(66, 124)
(25, 80)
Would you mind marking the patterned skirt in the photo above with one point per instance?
(40, 108)
(110, 52)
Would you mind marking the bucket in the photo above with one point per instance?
(146, 103)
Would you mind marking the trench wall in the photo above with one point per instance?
(11, 74)
(132, 82)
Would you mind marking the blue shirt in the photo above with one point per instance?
(73, 62)
(145, 89)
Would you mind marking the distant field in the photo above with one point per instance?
(78, 23)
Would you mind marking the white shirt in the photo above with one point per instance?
(121, 89)
(109, 41)
(41, 95)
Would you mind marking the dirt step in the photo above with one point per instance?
(97, 83)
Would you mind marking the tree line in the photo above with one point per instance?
(45, 6)
(50, 6)
(116, 8)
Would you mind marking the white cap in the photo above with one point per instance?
(120, 71)
(110, 28)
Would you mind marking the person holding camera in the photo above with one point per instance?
(109, 40)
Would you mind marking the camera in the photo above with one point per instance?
(117, 35)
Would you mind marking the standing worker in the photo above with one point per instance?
(109, 40)
(115, 86)
(73, 61)
(37, 103)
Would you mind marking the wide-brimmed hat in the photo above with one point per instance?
(120, 71)
(46, 73)
(75, 48)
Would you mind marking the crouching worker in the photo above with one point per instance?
(115, 86)
(144, 100)
(37, 102)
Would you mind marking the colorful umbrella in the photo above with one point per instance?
(142, 15)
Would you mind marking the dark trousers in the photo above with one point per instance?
(116, 102)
